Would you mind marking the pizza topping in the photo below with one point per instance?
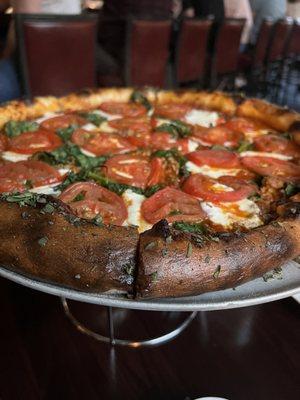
(172, 110)
(276, 144)
(175, 128)
(95, 119)
(32, 142)
(62, 121)
(268, 166)
(138, 98)
(134, 170)
(203, 118)
(15, 128)
(100, 143)
(23, 175)
(136, 130)
(218, 135)
(173, 205)
(225, 189)
(250, 128)
(124, 109)
(264, 154)
(89, 200)
(134, 202)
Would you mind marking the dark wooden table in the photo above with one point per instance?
(243, 354)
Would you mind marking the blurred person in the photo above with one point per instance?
(293, 8)
(204, 8)
(262, 9)
(240, 9)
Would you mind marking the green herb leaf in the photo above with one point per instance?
(66, 133)
(150, 245)
(23, 199)
(15, 128)
(152, 189)
(98, 221)
(154, 276)
(48, 209)
(291, 189)
(43, 241)
(116, 187)
(217, 272)
(94, 118)
(244, 146)
(138, 97)
(194, 228)
(176, 128)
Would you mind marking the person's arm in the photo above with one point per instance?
(26, 6)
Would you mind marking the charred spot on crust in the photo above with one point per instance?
(238, 98)
(294, 127)
(162, 229)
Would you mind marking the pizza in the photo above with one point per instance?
(148, 193)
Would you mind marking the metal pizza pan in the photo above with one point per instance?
(257, 291)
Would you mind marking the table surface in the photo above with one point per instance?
(251, 353)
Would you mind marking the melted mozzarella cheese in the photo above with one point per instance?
(87, 153)
(14, 157)
(46, 189)
(244, 212)
(210, 171)
(106, 128)
(202, 117)
(89, 127)
(264, 154)
(253, 134)
(134, 202)
(46, 116)
(192, 145)
(106, 115)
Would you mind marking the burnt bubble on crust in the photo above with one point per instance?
(47, 241)
(175, 266)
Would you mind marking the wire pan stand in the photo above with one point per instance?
(125, 342)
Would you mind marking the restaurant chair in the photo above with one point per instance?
(191, 51)
(147, 52)
(56, 53)
(224, 62)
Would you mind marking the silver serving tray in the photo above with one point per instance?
(254, 292)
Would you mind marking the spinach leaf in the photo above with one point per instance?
(15, 128)
(176, 128)
(139, 98)
(94, 118)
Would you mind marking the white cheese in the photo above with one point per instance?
(106, 115)
(203, 118)
(47, 189)
(89, 127)
(227, 214)
(46, 116)
(210, 171)
(64, 171)
(192, 145)
(106, 128)
(14, 157)
(87, 153)
(253, 134)
(134, 202)
(265, 154)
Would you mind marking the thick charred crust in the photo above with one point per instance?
(63, 249)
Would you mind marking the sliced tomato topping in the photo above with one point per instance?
(62, 121)
(173, 205)
(244, 125)
(172, 110)
(131, 170)
(32, 142)
(87, 200)
(136, 130)
(268, 166)
(124, 109)
(213, 190)
(100, 143)
(276, 144)
(162, 141)
(3, 142)
(218, 135)
(17, 176)
(157, 171)
(215, 158)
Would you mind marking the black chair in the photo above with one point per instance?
(56, 53)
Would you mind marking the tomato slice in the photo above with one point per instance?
(136, 130)
(62, 121)
(87, 199)
(157, 171)
(173, 205)
(100, 143)
(172, 110)
(244, 125)
(162, 141)
(210, 189)
(124, 109)
(218, 135)
(215, 158)
(16, 176)
(131, 170)
(32, 142)
(276, 144)
(268, 166)
(3, 142)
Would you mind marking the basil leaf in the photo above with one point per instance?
(176, 128)
(66, 133)
(194, 228)
(23, 199)
(291, 189)
(244, 146)
(94, 118)
(116, 187)
(15, 128)
(152, 189)
(139, 98)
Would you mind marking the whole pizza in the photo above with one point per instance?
(149, 193)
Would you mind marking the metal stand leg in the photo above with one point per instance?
(125, 342)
